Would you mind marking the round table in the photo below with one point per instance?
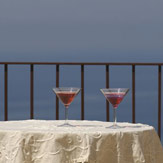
(38, 141)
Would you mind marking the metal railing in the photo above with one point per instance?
(82, 65)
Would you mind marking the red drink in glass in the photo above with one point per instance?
(114, 98)
(66, 97)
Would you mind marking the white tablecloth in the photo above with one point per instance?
(37, 141)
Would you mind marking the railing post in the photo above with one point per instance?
(6, 92)
(82, 92)
(57, 85)
(133, 93)
(159, 101)
(31, 91)
(107, 86)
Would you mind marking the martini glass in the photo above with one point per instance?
(66, 95)
(115, 97)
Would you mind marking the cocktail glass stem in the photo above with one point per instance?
(66, 114)
(115, 116)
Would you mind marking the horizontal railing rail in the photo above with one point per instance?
(82, 65)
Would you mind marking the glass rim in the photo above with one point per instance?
(66, 88)
(114, 88)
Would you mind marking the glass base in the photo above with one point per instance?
(66, 125)
(115, 126)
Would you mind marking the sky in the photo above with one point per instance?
(81, 30)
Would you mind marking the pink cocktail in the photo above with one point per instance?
(115, 97)
(66, 95)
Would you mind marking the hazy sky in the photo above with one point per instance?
(81, 30)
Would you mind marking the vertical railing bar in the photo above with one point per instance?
(107, 86)
(82, 92)
(31, 91)
(133, 93)
(6, 92)
(57, 85)
(159, 101)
